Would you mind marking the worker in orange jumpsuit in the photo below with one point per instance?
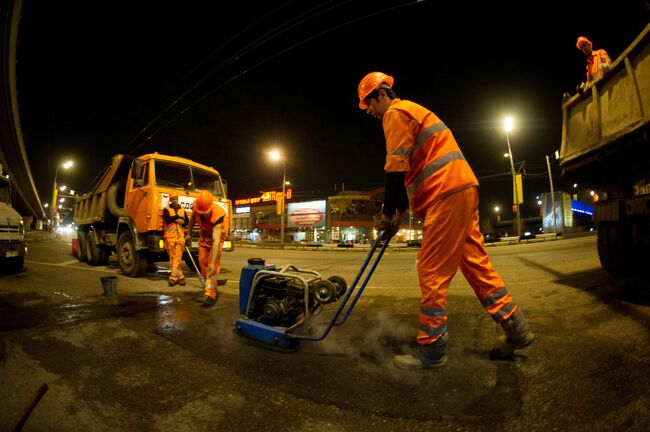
(598, 62)
(213, 228)
(175, 220)
(426, 170)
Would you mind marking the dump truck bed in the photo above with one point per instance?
(605, 129)
(91, 207)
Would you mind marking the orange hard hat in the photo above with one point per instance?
(203, 202)
(370, 83)
(173, 195)
(582, 40)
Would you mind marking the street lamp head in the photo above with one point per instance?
(508, 124)
(497, 208)
(275, 155)
(67, 164)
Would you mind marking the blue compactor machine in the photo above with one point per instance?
(277, 304)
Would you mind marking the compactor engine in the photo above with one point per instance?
(285, 296)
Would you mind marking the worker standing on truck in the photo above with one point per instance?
(426, 170)
(598, 61)
(213, 229)
(175, 219)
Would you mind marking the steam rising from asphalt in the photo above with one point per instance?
(385, 336)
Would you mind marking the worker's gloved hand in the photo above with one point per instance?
(580, 88)
(388, 224)
(604, 67)
(179, 221)
(187, 240)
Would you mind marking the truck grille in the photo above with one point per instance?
(10, 229)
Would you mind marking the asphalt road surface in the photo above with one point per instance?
(151, 359)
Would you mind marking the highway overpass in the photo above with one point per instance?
(12, 146)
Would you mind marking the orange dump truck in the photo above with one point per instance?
(606, 146)
(122, 212)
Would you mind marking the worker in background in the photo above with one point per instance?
(175, 220)
(598, 62)
(426, 170)
(213, 228)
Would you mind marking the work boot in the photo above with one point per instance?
(518, 335)
(206, 300)
(427, 356)
(181, 282)
(171, 283)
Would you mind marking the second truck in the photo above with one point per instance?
(122, 212)
(606, 146)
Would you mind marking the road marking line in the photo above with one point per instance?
(65, 264)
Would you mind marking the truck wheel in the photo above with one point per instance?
(82, 245)
(19, 264)
(97, 255)
(132, 262)
(615, 248)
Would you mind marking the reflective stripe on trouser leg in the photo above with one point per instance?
(484, 280)
(443, 237)
(174, 247)
(205, 248)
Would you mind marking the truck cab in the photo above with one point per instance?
(12, 230)
(123, 212)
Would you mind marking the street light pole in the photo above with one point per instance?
(550, 179)
(276, 156)
(284, 182)
(508, 128)
(54, 196)
(55, 191)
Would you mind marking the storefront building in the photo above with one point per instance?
(346, 217)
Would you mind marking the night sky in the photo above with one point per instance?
(222, 87)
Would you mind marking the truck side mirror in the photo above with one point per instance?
(136, 173)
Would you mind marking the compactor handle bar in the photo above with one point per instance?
(334, 321)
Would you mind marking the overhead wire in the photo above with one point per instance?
(272, 34)
(197, 66)
(267, 59)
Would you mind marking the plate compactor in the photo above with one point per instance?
(277, 304)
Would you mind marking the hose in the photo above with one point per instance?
(111, 200)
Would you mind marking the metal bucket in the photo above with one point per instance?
(109, 283)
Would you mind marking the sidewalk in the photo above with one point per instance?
(33, 235)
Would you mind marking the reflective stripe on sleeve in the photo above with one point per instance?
(403, 151)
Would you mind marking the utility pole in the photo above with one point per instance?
(550, 179)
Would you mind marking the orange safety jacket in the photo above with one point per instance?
(172, 229)
(594, 60)
(420, 144)
(208, 221)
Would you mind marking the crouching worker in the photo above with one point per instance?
(212, 232)
(175, 220)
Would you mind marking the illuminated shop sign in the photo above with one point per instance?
(265, 197)
(306, 214)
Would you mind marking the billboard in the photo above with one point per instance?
(306, 214)
(560, 207)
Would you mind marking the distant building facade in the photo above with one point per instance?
(345, 217)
